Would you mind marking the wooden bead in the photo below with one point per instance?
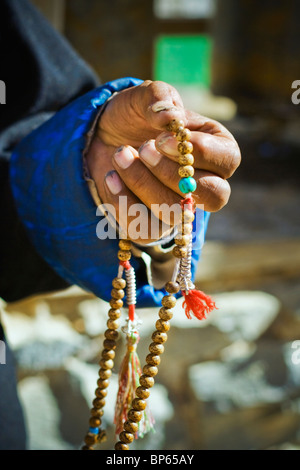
(124, 245)
(156, 348)
(149, 370)
(106, 363)
(95, 422)
(186, 171)
(97, 413)
(168, 301)
(90, 439)
(162, 325)
(142, 392)
(138, 404)
(179, 129)
(185, 229)
(117, 293)
(134, 415)
(102, 384)
(172, 287)
(187, 159)
(112, 324)
(153, 359)
(104, 373)
(187, 216)
(180, 251)
(183, 134)
(111, 334)
(174, 125)
(114, 313)
(159, 337)
(116, 303)
(185, 147)
(119, 283)
(108, 354)
(182, 240)
(87, 448)
(121, 446)
(126, 437)
(130, 426)
(124, 255)
(98, 402)
(146, 381)
(100, 393)
(165, 314)
(109, 343)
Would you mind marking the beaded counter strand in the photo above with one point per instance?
(95, 434)
(195, 302)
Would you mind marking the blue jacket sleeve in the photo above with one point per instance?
(55, 204)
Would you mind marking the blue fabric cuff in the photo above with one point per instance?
(55, 204)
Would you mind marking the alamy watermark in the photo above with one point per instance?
(2, 353)
(296, 353)
(2, 92)
(137, 223)
(296, 94)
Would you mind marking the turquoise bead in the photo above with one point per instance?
(187, 185)
(93, 430)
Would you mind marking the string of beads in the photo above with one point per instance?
(180, 281)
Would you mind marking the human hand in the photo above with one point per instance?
(133, 155)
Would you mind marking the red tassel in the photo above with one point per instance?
(198, 304)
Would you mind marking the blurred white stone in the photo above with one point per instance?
(244, 315)
(42, 414)
(22, 329)
(228, 387)
(94, 313)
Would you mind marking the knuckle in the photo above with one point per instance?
(225, 156)
(220, 194)
(148, 84)
(232, 162)
(214, 192)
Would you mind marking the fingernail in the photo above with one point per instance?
(168, 144)
(123, 157)
(113, 182)
(149, 154)
(162, 106)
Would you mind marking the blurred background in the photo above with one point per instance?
(232, 382)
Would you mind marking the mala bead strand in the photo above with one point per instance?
(130, 371)
(195, 302)
(95, 434)
(150, 369)
(186, 171)
(187, 184)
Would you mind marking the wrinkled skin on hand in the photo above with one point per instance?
(133, 155)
